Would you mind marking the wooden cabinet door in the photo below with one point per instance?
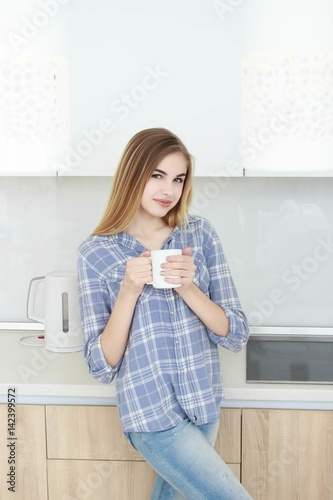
(102, 480)
(89, 457)
(86, 432)
(228, 441)
(27, 453)
(87, 451)
(288, 454)
(95, 433)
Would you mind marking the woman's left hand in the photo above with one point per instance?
(181, 268)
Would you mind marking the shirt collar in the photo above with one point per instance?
(128, 241)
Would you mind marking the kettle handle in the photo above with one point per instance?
(31, 299)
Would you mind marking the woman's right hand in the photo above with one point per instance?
(115, 335)
(138, 273)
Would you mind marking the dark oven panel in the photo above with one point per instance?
(289, 359)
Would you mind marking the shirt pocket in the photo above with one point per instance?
(201, 278)
(117, 274)
(147, 292)
(114, 280)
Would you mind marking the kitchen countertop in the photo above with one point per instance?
(43, 377)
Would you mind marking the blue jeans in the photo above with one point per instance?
(187, 465)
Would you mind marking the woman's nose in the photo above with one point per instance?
(167, 188)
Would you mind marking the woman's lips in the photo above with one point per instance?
(163, 203)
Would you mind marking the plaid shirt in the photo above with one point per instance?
(170, 369)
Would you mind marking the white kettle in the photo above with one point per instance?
(62, 315)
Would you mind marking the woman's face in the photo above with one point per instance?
(164, 188)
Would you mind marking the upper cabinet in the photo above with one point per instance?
(135, 65)
(34, 87)
(287, 88)
(121, 67)
(245, 86)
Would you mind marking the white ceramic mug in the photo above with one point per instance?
(158, 257)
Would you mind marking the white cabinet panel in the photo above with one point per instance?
(287, 89)
(152, 64)
(131, 65)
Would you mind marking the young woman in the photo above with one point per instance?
(162, 343)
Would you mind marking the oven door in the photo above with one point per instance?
(290, 359)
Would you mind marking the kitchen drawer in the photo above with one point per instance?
(86, 432)
(95, 433)
(74, 479)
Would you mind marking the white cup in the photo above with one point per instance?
(158, 257)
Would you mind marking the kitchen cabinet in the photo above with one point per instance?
(287, 454)
(89, 456)
(72, 105)
(25, 160)
(72, 452)
(286, 103)
(73, 479)
(24, 452)
(136, 84)
(34, 97)
(98, 92)
(86, 433)
(228, 441)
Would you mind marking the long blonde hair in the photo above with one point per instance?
(140, 158)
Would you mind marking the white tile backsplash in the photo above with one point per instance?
(43, 221)
(277, 234)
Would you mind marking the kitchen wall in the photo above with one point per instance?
(277, 234)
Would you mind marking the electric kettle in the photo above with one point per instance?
(62, 316)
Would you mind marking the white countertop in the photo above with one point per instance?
(43, 377)
(40, 376)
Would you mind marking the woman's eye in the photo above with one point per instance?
(157, 176)
(179, 180)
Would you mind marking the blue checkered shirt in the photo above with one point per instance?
(170, 369)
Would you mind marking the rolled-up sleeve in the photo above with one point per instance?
(223, 292)
(95, 310)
